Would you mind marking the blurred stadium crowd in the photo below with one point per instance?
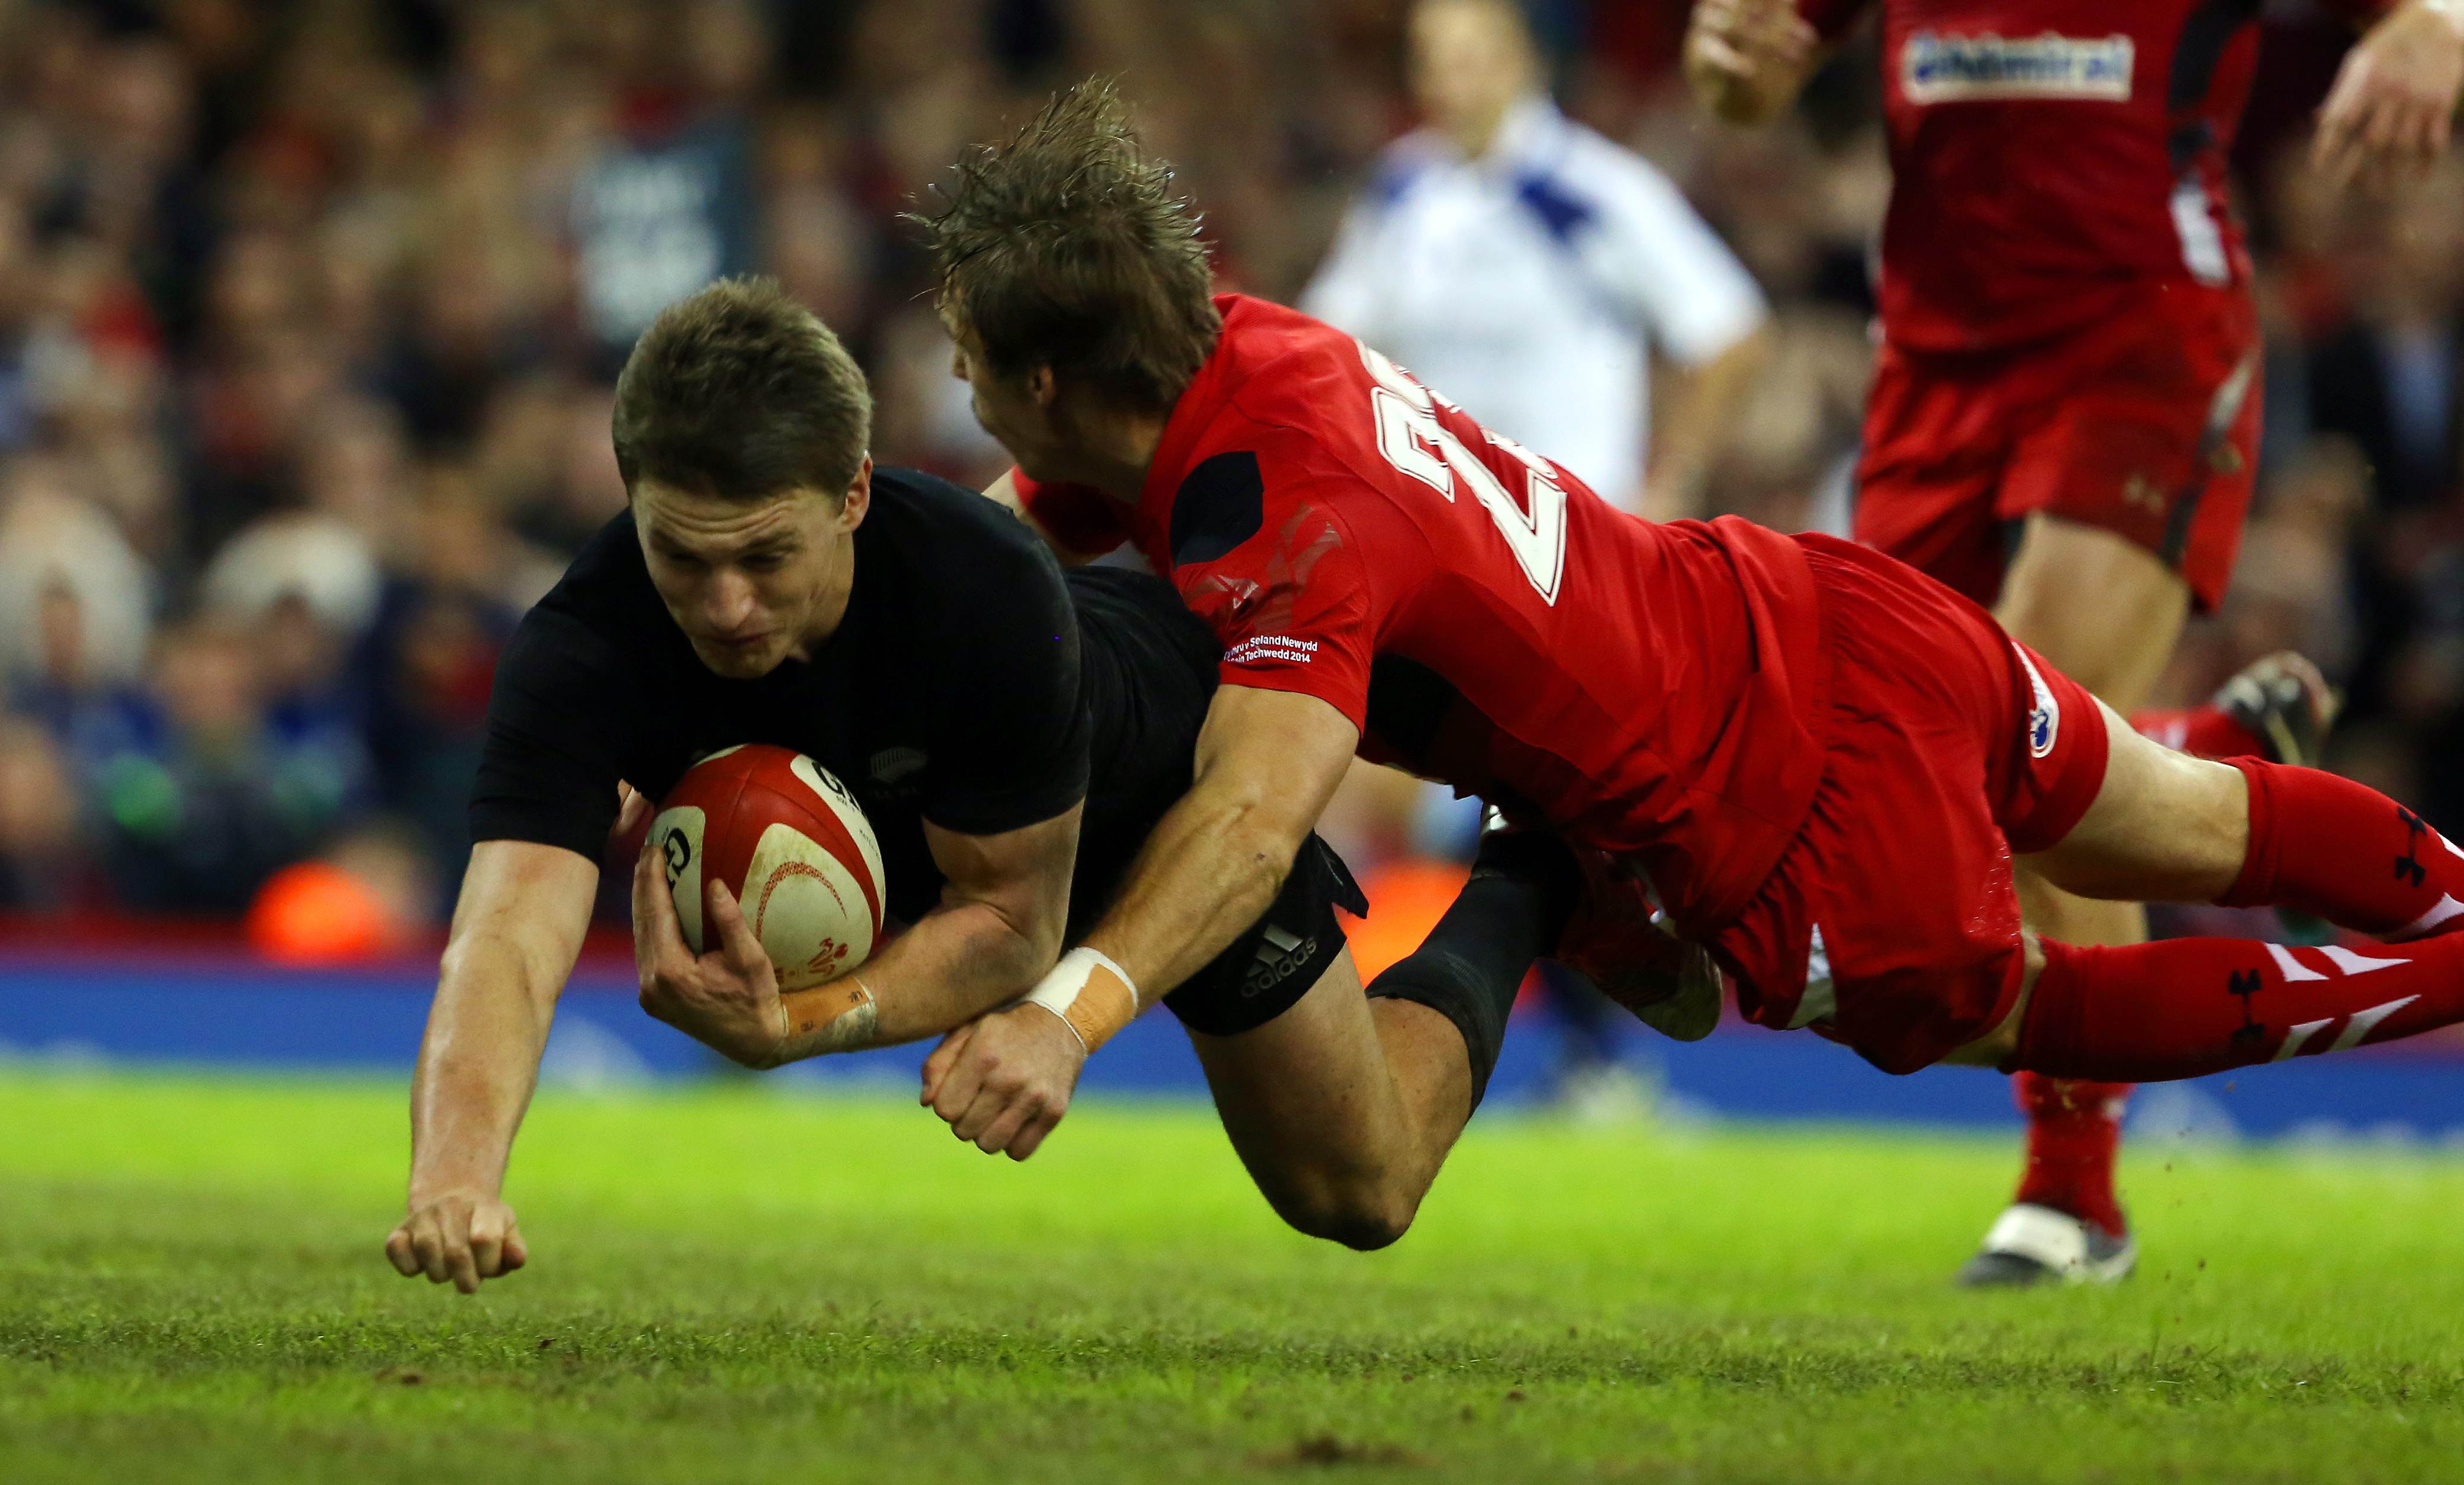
(308, 313)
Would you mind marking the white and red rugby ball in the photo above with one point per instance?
(791, 842)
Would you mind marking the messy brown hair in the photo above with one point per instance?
(1066, 247)
(742, 393)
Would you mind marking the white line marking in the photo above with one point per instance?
(2293, 969)
(2363, 1022)
(2352, 963)
(2448, 907)
(2301, 1033)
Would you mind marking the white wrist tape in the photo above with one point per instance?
(1092, 995)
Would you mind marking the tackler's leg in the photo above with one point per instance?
(2247, 833)
(1344, 1105)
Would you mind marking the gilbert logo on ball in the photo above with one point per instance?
(794, 846)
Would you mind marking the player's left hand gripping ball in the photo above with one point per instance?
(728, 999)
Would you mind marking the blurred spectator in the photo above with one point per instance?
(2387, 378)
(75, 618)
(455, 584)
(41, 857)
(196, 824)
(667, 203)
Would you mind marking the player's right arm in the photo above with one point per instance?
(518, 927)
(1746, 60)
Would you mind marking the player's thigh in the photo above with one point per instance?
(1307, 1096)
(2134, 487)
(2164, 827)
(2104, 609)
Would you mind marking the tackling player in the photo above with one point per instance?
(1819, 762)
(2065, 410)
(1012, 739)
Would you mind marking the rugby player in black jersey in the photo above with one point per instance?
(1012, 734)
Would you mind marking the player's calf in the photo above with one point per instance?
(2184, 1008)
(2308, 840)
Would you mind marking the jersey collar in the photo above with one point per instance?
(1191, 413)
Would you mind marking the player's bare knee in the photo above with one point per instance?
(1362, 1214)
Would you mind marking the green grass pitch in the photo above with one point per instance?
(732, 1285)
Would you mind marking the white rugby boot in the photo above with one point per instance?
(2029, 1244)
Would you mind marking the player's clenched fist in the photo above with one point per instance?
(1745, 59)
(1004, 1081)
(459, 1236)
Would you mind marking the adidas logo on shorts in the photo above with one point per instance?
(1280, 956)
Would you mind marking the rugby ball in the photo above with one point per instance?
(791, 843)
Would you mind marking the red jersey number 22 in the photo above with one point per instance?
(1415, 441)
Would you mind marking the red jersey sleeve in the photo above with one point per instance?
(1292, 606)
(1077, 516)
(1832, 19)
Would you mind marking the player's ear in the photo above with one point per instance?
(859, 497)
(1042, 388)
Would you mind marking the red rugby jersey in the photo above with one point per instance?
(2051, 159)
(1480, 614)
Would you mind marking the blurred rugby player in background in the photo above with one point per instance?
(2065, 413)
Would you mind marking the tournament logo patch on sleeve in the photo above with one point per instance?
(2045, 717)
(1939, 69)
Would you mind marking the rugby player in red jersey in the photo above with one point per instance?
(1819, 762)
(2065, 410)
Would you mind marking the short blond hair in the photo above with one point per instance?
(1066, 247)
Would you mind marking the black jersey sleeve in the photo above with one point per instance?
(556, 721)
(1013, 749)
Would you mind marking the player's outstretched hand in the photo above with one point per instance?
(458, 1238)
(728, 999)
(1002, 1080)
(2387, 116)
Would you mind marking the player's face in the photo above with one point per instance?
(1007, 406)
(751, 584)
(1466, 65)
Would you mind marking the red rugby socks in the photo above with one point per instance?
(2073, 1127)
(2186, 1007)
(2206, 732)
(2346, 852)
